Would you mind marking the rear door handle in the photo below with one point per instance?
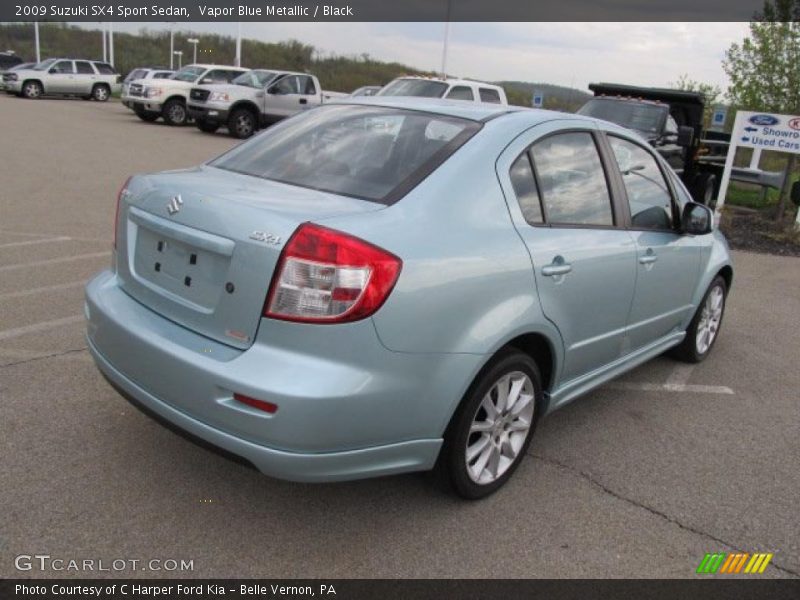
(556, 269)
(303, 101)
(649, 257)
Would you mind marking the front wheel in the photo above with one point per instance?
(174, 113)
(493, 427)
(32, 90)
(242, 123)
(705, 325)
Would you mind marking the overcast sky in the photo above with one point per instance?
(571, 54)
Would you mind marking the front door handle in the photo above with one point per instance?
(648, 258)
(556, 268)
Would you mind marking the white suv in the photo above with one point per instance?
(143, 73)
(90, 79)
(166, 98)
(449, 89)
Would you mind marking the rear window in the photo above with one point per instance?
(490, 95)
(104, 68)
(422, 88)
(375, 154)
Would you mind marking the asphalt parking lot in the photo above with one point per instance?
(638, 479)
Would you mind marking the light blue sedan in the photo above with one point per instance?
(390, 285)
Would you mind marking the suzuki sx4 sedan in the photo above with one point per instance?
(394, 285)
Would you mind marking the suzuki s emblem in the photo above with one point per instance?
(174, 205)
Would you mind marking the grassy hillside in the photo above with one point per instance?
(336, 73)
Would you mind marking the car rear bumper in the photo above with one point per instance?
(348, 408)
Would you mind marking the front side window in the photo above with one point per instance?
(461, 92)
(62, 66)
(571, 180)
(524, 184)
(364, 152)
(649, 197)
(287, 85)
(490, 95)
(254, 79)
(83, 67)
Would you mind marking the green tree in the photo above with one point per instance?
(763, 70)
(711, 92)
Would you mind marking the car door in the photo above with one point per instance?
(60, 78)
(284, 97)
(85, 77)
(668, 262)
(584, 262)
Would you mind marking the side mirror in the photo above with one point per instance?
(273, 90)
(697, 219)
(206, 80)
(54, 70)
(795, 193)
(685, 136)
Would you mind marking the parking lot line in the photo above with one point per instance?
(62, 238)
(53, 261)
(42, 290)
(37, 327)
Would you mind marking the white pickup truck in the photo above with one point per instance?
(166, 98)
(254, 100)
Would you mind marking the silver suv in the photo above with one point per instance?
(140, 74)
(90, 79)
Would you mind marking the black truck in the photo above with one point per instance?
(672, 122)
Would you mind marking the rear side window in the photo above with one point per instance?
(649, 197)
(571, 180)
(84, 67)
(287, 85)
(307, 86)
(461, 92)
(104, 69)
(376, 154)
(490, 95)
(524, 184)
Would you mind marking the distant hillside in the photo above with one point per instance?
(336, 73)
(556, 97)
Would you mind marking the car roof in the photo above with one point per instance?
(474, 111)
(452, 81)
(207, 66)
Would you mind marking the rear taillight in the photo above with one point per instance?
(122, 190)
(326, 276)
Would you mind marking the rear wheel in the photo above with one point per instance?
(242, 123)
(101, 92)
(207, 126)
(32, 90)
(705, 325)
(493, 427)
(174, 112)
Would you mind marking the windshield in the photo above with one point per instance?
(422, 88)
(136, 74)
(255, 79)
(358, 151)
(643, 117)
(44, 65)
(189, 74)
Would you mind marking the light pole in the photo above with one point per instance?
(179, 54)
(36, 35)
(238, 60)
(171, 46)
(111, 43)
(446, 41)
(105, 47)
(194, 42)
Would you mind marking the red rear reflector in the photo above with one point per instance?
(267, 407)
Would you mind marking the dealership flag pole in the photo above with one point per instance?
(171, 47)
(103, 31)
(446, 41)
(36, 35)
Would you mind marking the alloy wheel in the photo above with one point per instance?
(499, 427)
(710, 318)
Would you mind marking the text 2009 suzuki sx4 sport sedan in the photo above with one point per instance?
(395, 285)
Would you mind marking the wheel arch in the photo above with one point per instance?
(248, 105)
(32, 80)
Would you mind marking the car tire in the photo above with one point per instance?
(242, 123)
(206, 126)
(703, 331)
(490, 432)
(174, 113)
(101, 92)
(32, 90)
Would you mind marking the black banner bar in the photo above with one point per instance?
(379, 10)
(409, 589)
